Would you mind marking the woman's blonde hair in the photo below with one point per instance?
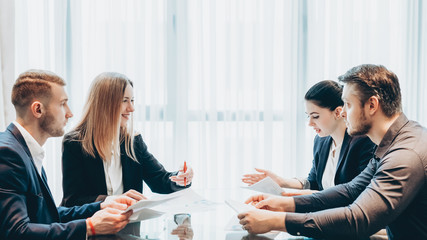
(100, 130)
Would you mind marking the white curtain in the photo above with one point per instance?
(7, 58)
(41, 43)
(220, 83)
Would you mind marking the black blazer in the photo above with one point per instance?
(84, 178)
(354, 156)
(27, 209)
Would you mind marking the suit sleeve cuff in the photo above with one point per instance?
(304, 182)
(294, 223)
(302, 224)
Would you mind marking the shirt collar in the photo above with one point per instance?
(37, 152)
(390, 135)
(335, 147)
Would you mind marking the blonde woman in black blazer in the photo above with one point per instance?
(323, 108)
(103, 156)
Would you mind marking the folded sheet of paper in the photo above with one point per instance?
(266, 185)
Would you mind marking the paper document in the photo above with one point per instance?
(239, 206)
(266, 185)
(234, 225)
(144, 214)
(149, 203)
(187, 201)
(184, 201)
(142, 211)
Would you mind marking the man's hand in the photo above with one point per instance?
(107, 221)
(272, 203)
(120, 202)
(251, 179)
(262, 221)
(179, 179)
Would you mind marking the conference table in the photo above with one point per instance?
(218, 222)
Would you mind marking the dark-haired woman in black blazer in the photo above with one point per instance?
(338, 157)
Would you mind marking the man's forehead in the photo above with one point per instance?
(58, 91)
(348, 90)
(349, 87)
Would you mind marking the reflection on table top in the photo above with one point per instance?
(207, 225)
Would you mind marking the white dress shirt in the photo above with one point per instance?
(113, 175)
(37, 152)
(328, 178)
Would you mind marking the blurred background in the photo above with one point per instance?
(218, 83)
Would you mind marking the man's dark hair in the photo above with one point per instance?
(375, 80)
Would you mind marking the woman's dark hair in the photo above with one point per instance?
(325, 94)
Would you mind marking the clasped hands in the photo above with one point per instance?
(269, 215)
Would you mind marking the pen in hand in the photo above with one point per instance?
(185, 169)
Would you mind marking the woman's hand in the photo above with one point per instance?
(123, 201)
(256, 177)
(135, 195)
(119, 202)
(187, 175)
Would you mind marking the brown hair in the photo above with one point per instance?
(376, 80)
(33, 85)
(99, 130)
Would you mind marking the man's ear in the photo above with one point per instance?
(374, 104)
(37, 109)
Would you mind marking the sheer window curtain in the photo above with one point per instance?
(7, 65)
(40, 43)
(220, 83)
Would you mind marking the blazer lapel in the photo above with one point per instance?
(49, 200)
(344, 149)
(42, 179)
(97, 166)
(15, 132)
(323, 158)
